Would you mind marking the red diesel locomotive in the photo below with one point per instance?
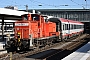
(33, 31)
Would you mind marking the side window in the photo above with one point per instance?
(77, 26)
(25, 17)
(35, 17)
(69, 27)
(73, 26)
(66, 26)
(63, 26)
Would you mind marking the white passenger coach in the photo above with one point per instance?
(68, 28)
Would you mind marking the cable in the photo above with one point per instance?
(78, 4)
(46, 4)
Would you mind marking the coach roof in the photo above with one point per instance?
(63, 20)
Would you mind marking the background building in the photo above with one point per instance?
(11, 7)
(82, 15)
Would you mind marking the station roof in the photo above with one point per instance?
(70, 10)
(59, 10)
(9, 14)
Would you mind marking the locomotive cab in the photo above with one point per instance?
(58, 27)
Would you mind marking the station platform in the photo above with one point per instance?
(82, 53)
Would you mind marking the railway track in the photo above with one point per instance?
(67, 46)
(61, 53)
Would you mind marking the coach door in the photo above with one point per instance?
(69, 29)
(60, 29)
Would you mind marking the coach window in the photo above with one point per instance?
(72, 26)
(76, 26)
(67, 27)
(79, 26)
(82, 26)
(63, 26)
